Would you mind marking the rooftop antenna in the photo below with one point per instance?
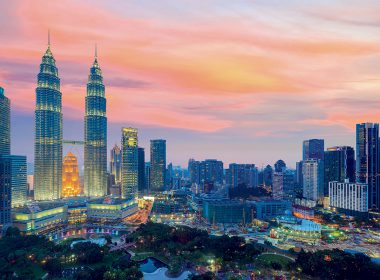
(96, 51)
(49, 38)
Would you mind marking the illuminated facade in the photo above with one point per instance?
(5, 124)
(70, 176)
(95, 149)
(157, 165)
(367, 161)
(48, 132)
(129, 174)
(115, 164)
(109, 209)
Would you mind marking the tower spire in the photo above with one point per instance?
(49, 38)
(96, 50)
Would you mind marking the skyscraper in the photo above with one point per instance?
(279, 166)
(367, 160)
(95, 134)
(5, 124)
(313, 148)
(129, 167)
(5, 193)
(48, 131)
(283, 185)
(18, 179)
(157, 165)
(141, 171)
(313, 171)
(242, 174)
(115, 163)
(339, 165)
(70, 176)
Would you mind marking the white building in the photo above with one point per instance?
(349, 198)
(313, 173)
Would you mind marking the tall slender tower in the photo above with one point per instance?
(5, 124)
(129, 167)
(157, 165)
(95, 121)
(48, 131)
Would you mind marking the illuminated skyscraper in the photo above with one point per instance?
(115, 164)
(70, 176)
(95, 134)
(129, 167)
(5, 124)
(367, 160)
(48, 131)
(141, 164)
(157, 165)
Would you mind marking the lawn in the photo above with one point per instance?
(266, 261)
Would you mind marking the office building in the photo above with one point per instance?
(349, 198)
(95, 134)
(5, 193)
(283, 185)
(367, 161)
(129, 167)
(157, 165)
(339, 163)
(5, 124)
(70, 176)
(115, 163)
(194, 171)
(48, 132)
(111, 209)
(267, 209)
(313, 149)
(242, 174)
(279, 166)
(225, 211)
(313, 173)
(268, 176)
(141, 170)
(147, 175)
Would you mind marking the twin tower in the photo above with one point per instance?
(48, 133)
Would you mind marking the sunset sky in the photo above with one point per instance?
(240, 81)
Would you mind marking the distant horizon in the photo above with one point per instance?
(240, 81)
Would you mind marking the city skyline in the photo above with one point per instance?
(283, 84)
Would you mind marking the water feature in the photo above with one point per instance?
(154, 269)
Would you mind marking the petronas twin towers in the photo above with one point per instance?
(48, 133)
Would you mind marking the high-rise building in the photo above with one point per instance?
(157, 164)
(212, 171)
(242, 174)
(141, 167)
(339, 165)
(48, 131)
(268, 175)
(283, 185)
(95, 134)
(5, 193)
(129, 167)
(313, 171)
(313, 148)
(5, 124)
(70, 176)
(115, 163)
(194, 171)
(349, 198)
(279, 166)
(367, 160)
(147, 175)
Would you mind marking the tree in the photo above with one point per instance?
(53, 267)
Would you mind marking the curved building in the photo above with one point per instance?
(95, 149)
(48, 131)
(5, 124)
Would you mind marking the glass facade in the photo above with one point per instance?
(367, 160)
(339, 165)
(129, 174)
(95, 149)
(5, 192)
(115, 164)
(5, 124)
(313, 149)
(48, 132)
(157, 165)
